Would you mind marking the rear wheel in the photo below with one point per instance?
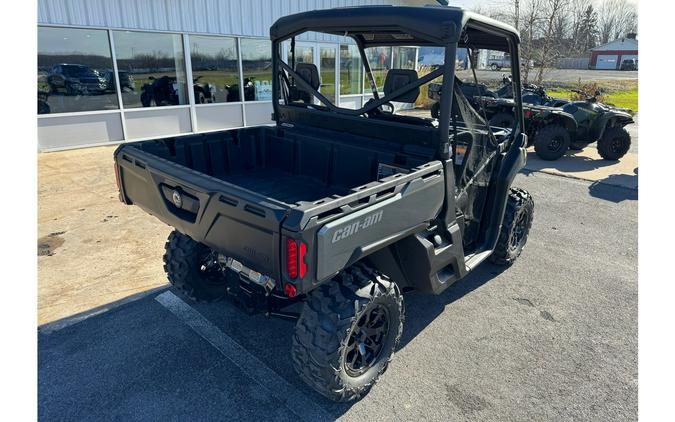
(515, 227)
(192, 268)
(494, 66)
(551, 142)
(614, 144)
(347, 333)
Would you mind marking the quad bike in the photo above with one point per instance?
(204, 91)
(549, 127)
(596, 122)
(162, 91)
(233, 94)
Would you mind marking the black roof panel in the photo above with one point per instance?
(392, 25)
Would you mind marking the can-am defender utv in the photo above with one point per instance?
(339, 210)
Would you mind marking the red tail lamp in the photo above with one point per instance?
(291, 259)
(295, 259)
(289, 290)
(301, 259)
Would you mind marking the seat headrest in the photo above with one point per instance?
(398, 78)
(309, 74)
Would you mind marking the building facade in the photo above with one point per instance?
(115, 71)
(610, 56)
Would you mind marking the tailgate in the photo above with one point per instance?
(229, 219)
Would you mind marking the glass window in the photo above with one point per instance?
(350, 70)
(152, 68)
(379, 59)
(404, 57)
(74, 71)
(215, 69)
(256, 58)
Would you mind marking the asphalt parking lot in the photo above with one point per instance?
(552, 337)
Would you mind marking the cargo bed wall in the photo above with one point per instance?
(282, 164)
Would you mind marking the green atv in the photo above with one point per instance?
(558, 125)
(596, 122)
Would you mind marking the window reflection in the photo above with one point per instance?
(256, 58)
(72, 68)
(350, 70)
(154, 64)
(215, 69)
(404, 57)
(379, 59)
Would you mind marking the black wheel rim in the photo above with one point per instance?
(210, 269)
(616, 146)
(519, 230)
(366, 341)
(555, 144)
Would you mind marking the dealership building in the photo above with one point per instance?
(115, 71)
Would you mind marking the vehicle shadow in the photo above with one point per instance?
(571, 162)
(615, 188)
(421, 309)
(139, 361)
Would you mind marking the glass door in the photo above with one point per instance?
(324, 56)
(328, 71)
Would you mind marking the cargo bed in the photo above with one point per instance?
(237, 190)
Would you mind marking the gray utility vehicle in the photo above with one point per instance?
(341, 210)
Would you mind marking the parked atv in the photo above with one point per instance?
(549, 127)
(162, 91)
(233, 94)
(597, 122)
(204, 91)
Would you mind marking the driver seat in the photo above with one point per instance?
(310, 74)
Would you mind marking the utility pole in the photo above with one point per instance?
(516, 13)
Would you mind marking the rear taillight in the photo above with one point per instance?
(291, 258)
(295, 259)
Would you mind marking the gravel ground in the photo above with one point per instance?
(554, 337)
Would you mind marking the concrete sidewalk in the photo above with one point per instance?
(588, 165)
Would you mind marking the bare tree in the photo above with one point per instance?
(549, 51)
(616, 18)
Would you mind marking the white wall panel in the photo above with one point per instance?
(87, 129)
(219, 116)
(157, 121)
(258, 113)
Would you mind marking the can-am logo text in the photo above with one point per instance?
(346, 231)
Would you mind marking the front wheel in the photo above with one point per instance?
(515, 227)
(614, 144)
(551, 142)
(347, 333)
(494, 67)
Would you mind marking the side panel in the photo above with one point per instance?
(347, 239)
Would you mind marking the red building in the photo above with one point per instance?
(610, 55)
